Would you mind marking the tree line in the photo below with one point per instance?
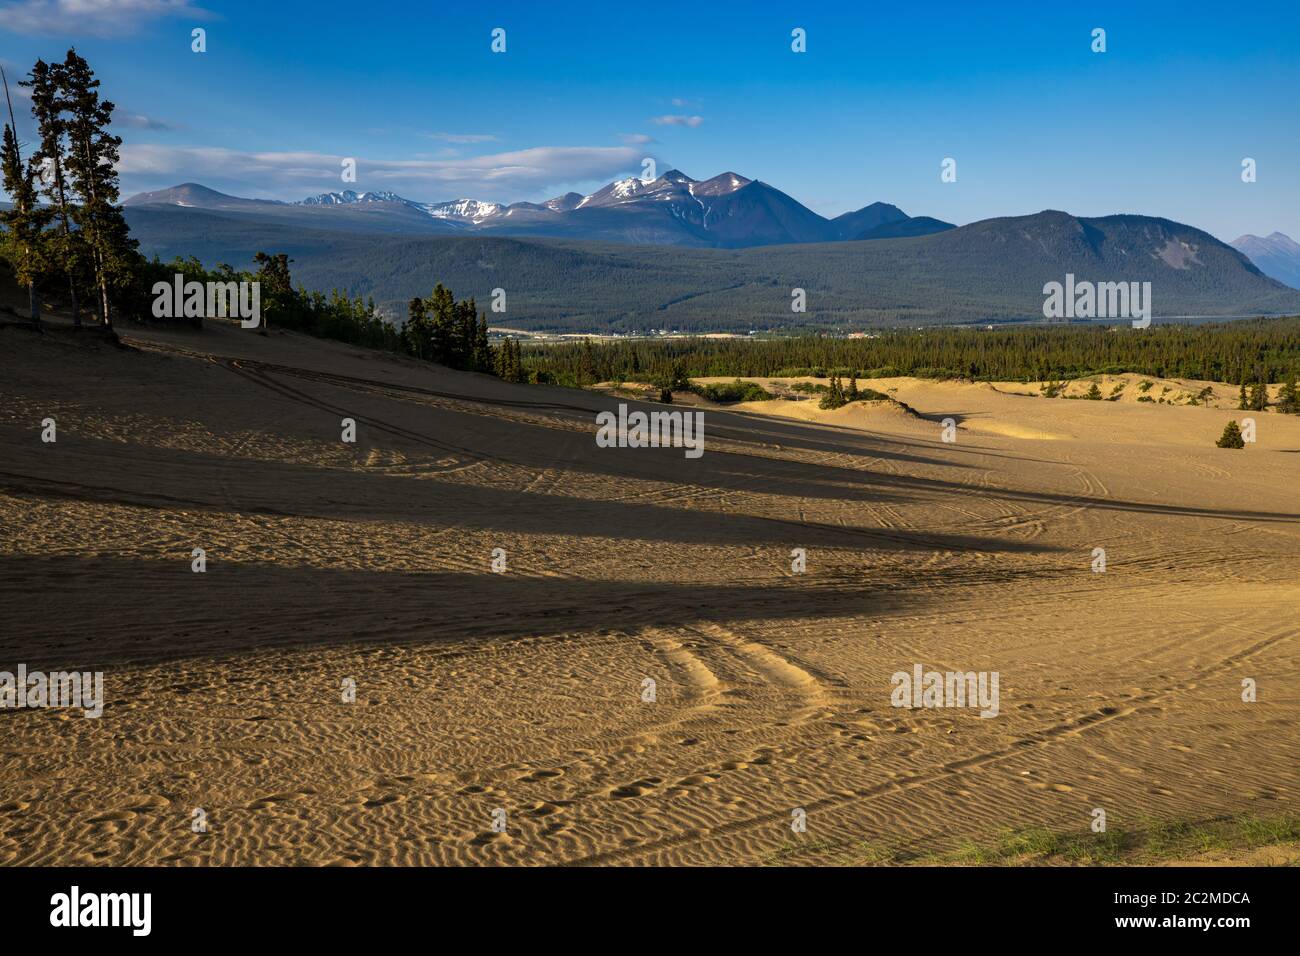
(455, 334)
(1254, 351)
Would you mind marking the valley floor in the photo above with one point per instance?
(331, 564)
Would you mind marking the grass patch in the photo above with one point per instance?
(1150, 842)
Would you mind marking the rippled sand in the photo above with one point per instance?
(522, 691)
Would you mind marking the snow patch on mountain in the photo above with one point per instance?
(349, 196)
(471, 210)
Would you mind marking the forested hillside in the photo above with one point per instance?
(985, 272)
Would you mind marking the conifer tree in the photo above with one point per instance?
(25, 219)
(466, 334)
(1288, 398)
(482, 349)
(276, 291)
(834, 397)
(1242, 402)
(415, 333)
(502, 358)
(92, 169)
(510, 368)
(588, 366)
(66, 246)
(1259, 396)
(1231, 437)
(442, 319)
(853, 395)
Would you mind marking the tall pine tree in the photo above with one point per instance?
(45, 83)
(482, 349)
(92, 169)
(25, 220)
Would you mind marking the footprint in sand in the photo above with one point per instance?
(539, 775)
(637, 789)
(271, 800)
(114, 817)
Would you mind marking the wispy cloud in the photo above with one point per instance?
(140, 121)
(691, 121)
(463, 137)
(636, 139)
(94, 17)
(291, 175)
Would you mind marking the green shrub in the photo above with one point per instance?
(737, 391)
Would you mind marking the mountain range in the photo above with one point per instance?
(988, 271)
(727, 211)
(1277, 255)
(720, 254)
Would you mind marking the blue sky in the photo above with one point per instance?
(1158, 124)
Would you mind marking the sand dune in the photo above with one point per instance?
(525, 691)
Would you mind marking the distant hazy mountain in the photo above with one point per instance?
(727, 211)
(194, 196)
(915, 226)
(983, 272)
(360, 213)
(853, 224)
(1277, 255)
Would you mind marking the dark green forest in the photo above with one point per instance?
(1242, 351)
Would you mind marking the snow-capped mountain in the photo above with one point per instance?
(562, 203)
(349, 196)
(469, 210)
(727, 211)
(1277, 255)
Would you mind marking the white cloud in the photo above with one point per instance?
(292, 175)
(95, 17)
(636, 139)
(691, 121)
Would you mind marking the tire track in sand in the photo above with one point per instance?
(1128, 706)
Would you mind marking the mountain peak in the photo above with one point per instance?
(1276, 255)
(722, 184)
(563, 203)
(191, 194)
(350, 196)
(469, 210)
(859, 222)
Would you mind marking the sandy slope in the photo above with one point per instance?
(522, 691)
